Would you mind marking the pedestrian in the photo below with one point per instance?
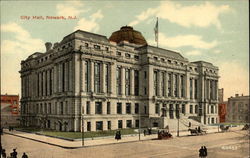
(14, 153)
(189, 124)
(201, 152)
(205, 151)
(199, 129)
(144, 132)
(117, 135)
(167, 128)
(120, 135)
(3, 153)
(24, 155)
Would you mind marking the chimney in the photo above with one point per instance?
(236, 95)
(48, 46)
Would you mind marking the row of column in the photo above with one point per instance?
(211, 89)
(169, 84)
(44, 86)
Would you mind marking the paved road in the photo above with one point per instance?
(229, 144)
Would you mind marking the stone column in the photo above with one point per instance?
(193, 87)
(123, 80)
(104, 107)
(166, 84)
(132, 82)
(179, 86)
(91, 87)
(187, 85)
(60, 77)
(150, 82)
(76, 81)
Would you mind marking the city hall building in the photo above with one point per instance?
(98, 83)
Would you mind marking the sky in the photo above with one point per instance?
(215, 31)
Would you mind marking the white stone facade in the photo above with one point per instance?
(87, 77)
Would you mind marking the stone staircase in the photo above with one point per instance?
(183, 124)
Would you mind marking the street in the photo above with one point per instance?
(229, 144)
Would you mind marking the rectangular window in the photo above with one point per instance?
(129, 123)
(119, 123)
(162, 83)
(145, 110)
(196, 109)
(63, 77)
(182, 86)
(61, 108)
(183, 109)
(107, 78)
(136, 57)
(118, 53)
(145, 74)
(127, 82)
(98, 107)
(108, 107)
(118, 81)
(119, 108)
(191, 109)
(127, 55)
(88, 126)
(157, 108)
(99, 125)
(195, 89)
(109, 125)
(176, 85)
(50, 82)
(87, 76)
(136, 82)
(155, 83)
(97, 47)
(88, 107)
(169, 84)
(97, 78)
(128, 108)
(191, 88)
(136, 123)
(136, 108)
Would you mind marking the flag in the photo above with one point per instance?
(156, 31)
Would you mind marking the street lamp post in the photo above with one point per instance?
(82, 131)
(178, 122)
(139, 111)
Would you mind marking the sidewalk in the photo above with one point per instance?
(99, 141)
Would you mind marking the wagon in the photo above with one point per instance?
(196, 131)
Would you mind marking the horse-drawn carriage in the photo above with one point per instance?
(246, 127)
(164, 134)
(197, 131)
(224, 128)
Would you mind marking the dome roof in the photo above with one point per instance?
(127, 33)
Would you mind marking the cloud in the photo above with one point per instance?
(178, 41)
(233, 78)
(20, 45)
(202, 15)
(193, 52)
(216, 51)
(90, 24)
(70, 8)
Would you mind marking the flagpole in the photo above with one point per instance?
(156, 29)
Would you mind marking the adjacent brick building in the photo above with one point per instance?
(9, 109)
(238, 109)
